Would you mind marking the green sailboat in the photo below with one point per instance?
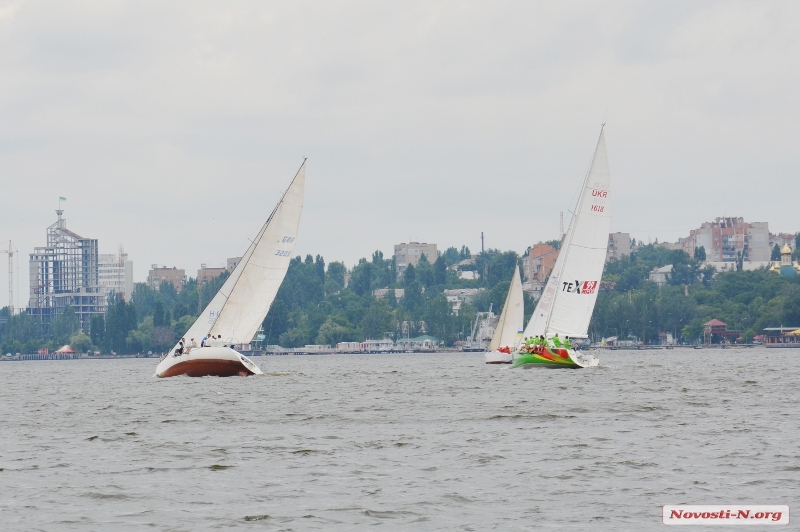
(567, 302)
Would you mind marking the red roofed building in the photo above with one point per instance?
(716, 332)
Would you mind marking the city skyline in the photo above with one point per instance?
(422, 122)
(208, 270)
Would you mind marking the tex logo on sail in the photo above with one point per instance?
(580, 287)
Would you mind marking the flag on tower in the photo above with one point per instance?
(62, 198)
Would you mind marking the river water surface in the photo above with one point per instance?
(406, 442)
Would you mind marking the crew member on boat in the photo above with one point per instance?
(567, 344)
(557, 341)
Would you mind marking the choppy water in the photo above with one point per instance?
(411, 442)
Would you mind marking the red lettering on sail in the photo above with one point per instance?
(589, 287)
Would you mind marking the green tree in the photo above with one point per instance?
(409, 275)
(439, 319)
(277, 322)
(65, 325)
(158, 315)
(334, 278)
(140, 340)
(97, 330)
(80, 342)
(424, 271)
(700, 254)
(776, 253)
(440, 271)
(377, 320)
(361, 278)
(412, 298)
(451, 256)
(335, 329)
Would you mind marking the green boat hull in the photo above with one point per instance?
(553, 358)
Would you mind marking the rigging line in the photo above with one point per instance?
(254, 244)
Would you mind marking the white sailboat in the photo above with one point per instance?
(567, 302)
(238, 309)
(509, 326)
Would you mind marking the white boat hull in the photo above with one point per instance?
(208, 362)
(497, 357)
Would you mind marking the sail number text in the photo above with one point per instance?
(287, 239)
(282, 253)
(598, 208)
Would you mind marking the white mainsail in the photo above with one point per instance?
(240, 306)
(568, 299)
(512, 317)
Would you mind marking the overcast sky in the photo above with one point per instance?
(173, 127)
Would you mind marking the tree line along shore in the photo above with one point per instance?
(313, 305)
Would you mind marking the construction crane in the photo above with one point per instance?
(10, 252)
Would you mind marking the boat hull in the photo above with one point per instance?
(208, 362)
(554, 358)
(497, 357)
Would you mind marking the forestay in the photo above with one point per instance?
(569, 297)
(240, 306)
(511, 319)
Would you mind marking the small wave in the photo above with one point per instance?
(106, 496)
(219, 467)
(386, 514)
(92, 438)
(638, 465)
(256, 517)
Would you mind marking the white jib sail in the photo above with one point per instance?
(240, 306)
(568, 299)
(512, 317)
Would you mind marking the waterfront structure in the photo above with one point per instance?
(786, 337)
(64, 273)
(158, 274)
(411, 253)
(619, 245)
(115, 273)
(716, 331)
(727, 237)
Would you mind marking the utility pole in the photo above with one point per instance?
(481, 241)
(10, 278)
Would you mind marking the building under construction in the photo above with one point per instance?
(65, 272)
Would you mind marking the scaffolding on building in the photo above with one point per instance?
(65, 272)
